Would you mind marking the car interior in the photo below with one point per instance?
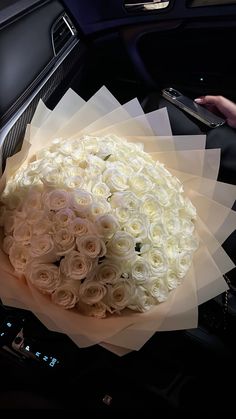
(135, 49)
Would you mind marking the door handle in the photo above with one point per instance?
(146, 6)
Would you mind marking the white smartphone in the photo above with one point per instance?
(193, 108)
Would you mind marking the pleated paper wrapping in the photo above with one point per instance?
(186, 158)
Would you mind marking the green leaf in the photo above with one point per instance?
(107, 157)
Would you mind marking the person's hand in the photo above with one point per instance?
(221, 106)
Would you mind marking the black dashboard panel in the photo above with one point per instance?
(25, 50)
(10, 9)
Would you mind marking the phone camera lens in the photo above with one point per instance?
(172, 92)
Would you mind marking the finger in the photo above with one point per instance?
(200, 100)
(207, 100)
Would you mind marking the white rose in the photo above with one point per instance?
(114, 180)
(75, 266)
(125, 199)
(189, 209)
(81, 227)
(151, 171)
(172, 247)
(52, 177)
(122, 168)
(140, 183)
(122, 214)
(121, 246)
(108, 273)
(90, 144)
(91, 292)
(157, 261)
(106, 225)
(136, 163)
(94, 169)
(42, 226)
(144, 248)
(23, 232)
(161, 170)
(19, 256)
(140, 270)
(189, 243)
(56, 199)
(13, 200)
(44, 276)
(180, 203)
(97, 310)
(66, 147)
(33, 166)
(64, 241)
(172, 280)
(9, 222)
(141, 301)
(120, 295)
(33, 200)
(73, 182)
(66, 295)
(7, 244)
(43, 245)
(172, 222)
(158, 290)
(187, 227)
(91, 246)
(150, 206)
(106, 148)
(81, 201)
(173, 182)
(63, 218)
(99, 208)
(163, 195)
(72, 171)
(156, 233)
(44, 154)
(137, 227)
(34, 216)
(28, 179)
(101, 189)
(182, 264)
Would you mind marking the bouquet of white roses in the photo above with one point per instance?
(96, 225)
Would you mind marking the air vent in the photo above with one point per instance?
(63, 32)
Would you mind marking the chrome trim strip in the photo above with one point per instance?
(146, 6)
(68, 25)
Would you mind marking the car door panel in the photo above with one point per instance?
(190, 47)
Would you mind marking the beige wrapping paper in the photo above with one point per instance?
(170, 143)
(185, 157)
(140, 125)
(204, 163)
(118, 115)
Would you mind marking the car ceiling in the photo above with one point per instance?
(97, 15)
